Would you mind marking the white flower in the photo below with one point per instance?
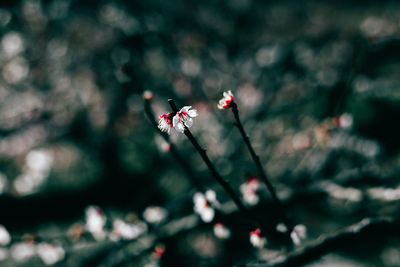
(221, 231)
(21, 252)
(165, 122)
(226, 101)
(5, 237)
(249, 191)
(183, 118)
(257, 239)
(95, 222)
(127, 231)
(154, 214)
(298, 234)
(50, 254)
(203, 205)
(282, 228)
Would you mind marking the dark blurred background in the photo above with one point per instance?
(317, 84)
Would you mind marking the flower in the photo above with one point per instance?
(298, 234)
(155, 214)
(249, 191)
(257, 239)
(203, 205)
(226, 101)
(127, 231)
(183, 118)
(49, 253)
(165, 122)
(221, 231)
(95, 222)
(281, 228)
(5, 237)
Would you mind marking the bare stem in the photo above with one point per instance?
(261, 171)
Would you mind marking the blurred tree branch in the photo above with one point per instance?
(351, 236)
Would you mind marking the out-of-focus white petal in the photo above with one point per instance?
(5, 237)
(221, 231)
(207, 214)
(185, 109)
(193, 113)
(50, 254)
(154, 214)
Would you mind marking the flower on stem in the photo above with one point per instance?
(226, 101)
(177, 120)
(257, 238)
(203, 205)
(249, 191)
(165, 122)
(183, 118)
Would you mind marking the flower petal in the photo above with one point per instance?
(185, 108)
(189, 122)
(193, 113)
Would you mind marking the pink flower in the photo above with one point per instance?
(257, 239)
(165, 122)
(183, 118)
(226, 101)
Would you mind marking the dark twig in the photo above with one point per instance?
(261, 171)
(351, 236)
(228, 189)
(172, 149)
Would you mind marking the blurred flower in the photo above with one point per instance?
(203, 205)
(50, 254)
(21, 252)
(127, 231)
(95, 222)
(183, 118)
(257, 239)
(226, 101)
(221, 231)
(344, 121)
(148, 95)
(5, 237)
(159, 251)
(299, 233)
(154, 214)
(249, 191)
(165, 122)
(282, 228)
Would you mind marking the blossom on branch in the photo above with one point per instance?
(183, 118)
(177, 120)
(165, 122)
(249, 191)
(257, 239)
(203, 205)
(226, 101)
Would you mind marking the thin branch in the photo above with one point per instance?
(172, 149)
(260, 169)
(228, 189)
(351, 236)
